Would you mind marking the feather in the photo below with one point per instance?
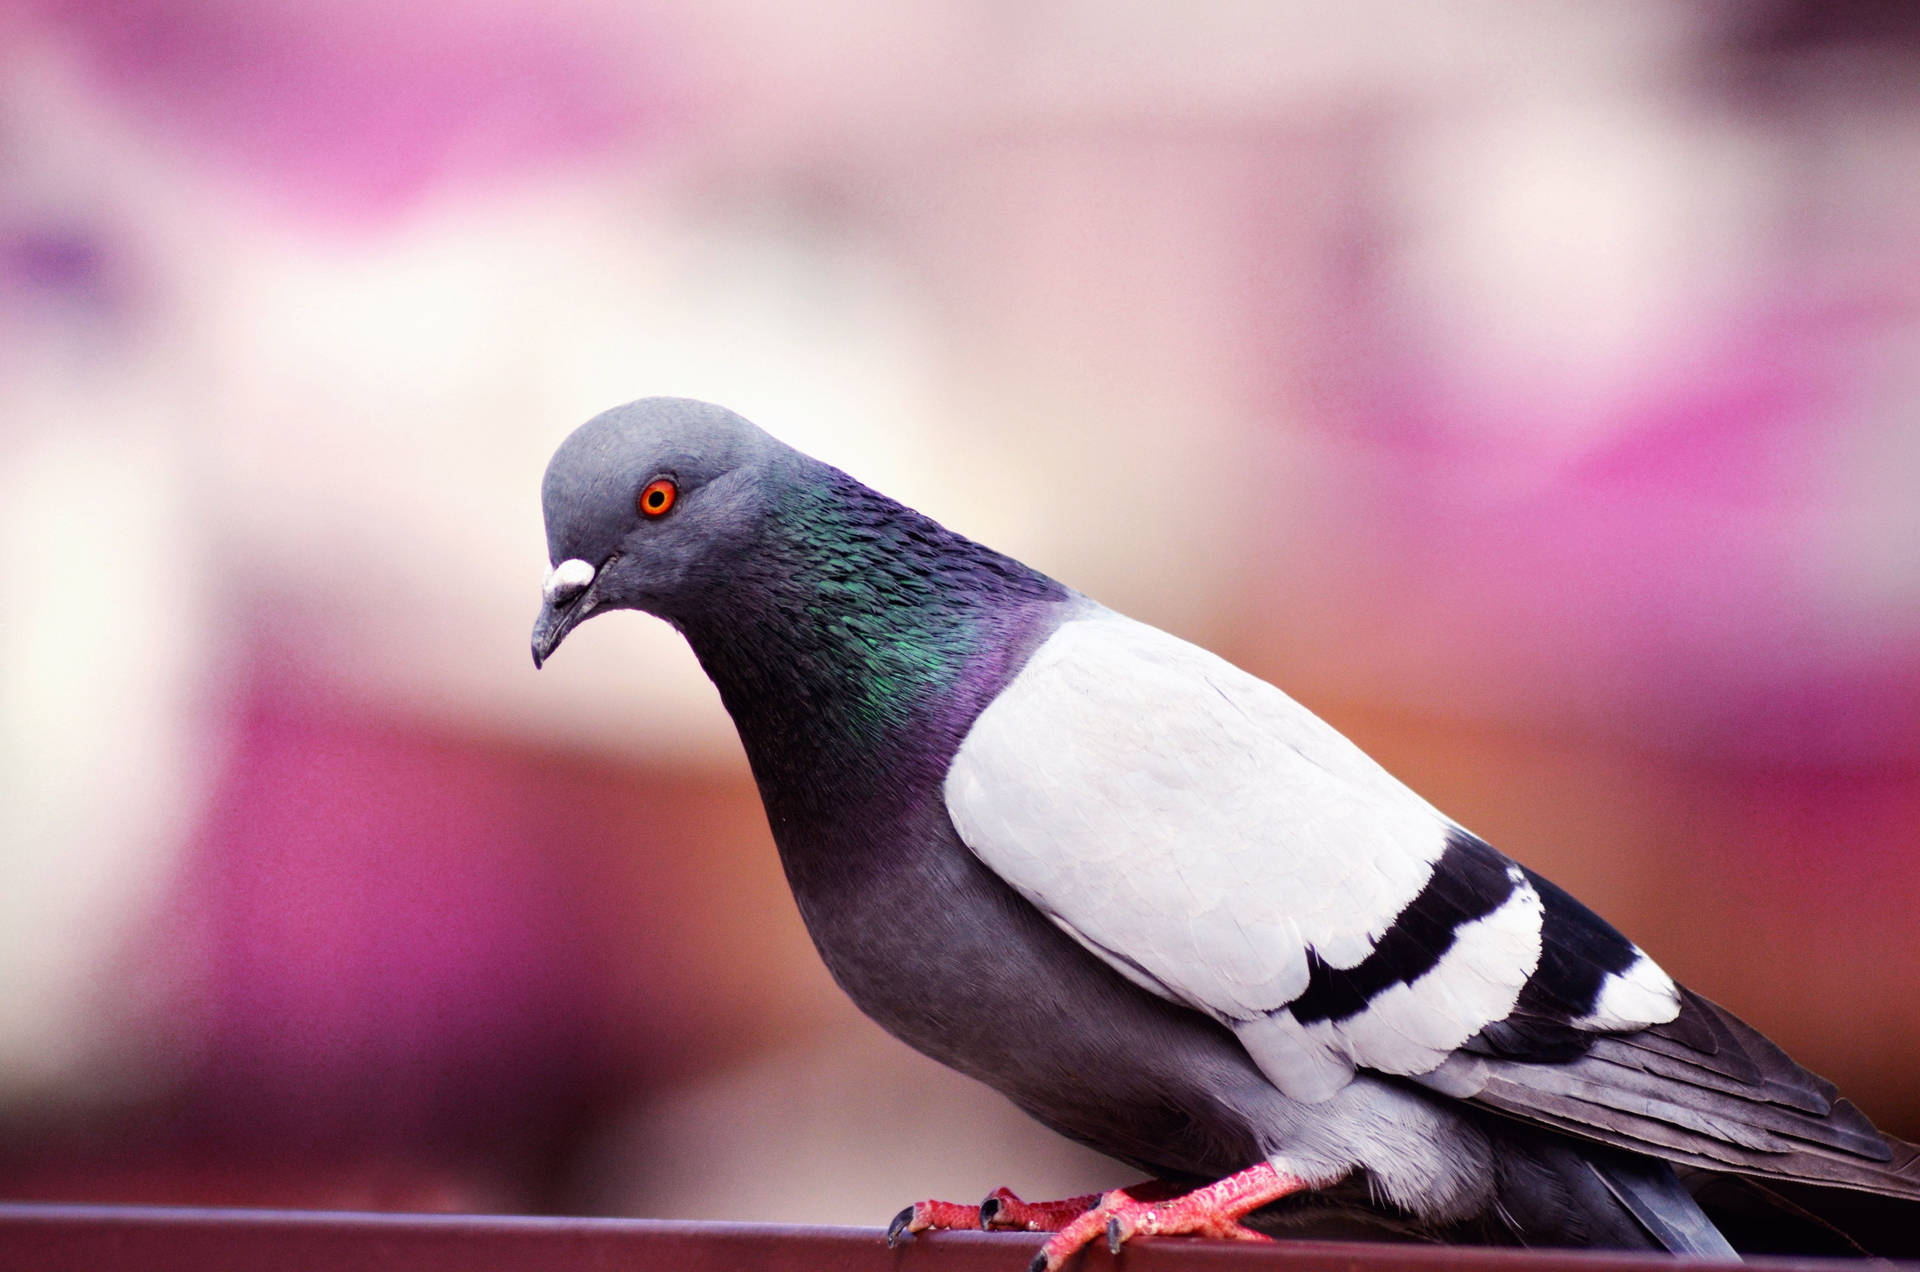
(1652, 1194)
(1629, 1094)
(1217, 843)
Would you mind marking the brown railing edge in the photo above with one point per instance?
(41, 1237)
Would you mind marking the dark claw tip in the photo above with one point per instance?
(1039, 1262)
(897, 1230)
(989, 1210)
(1114, 1239)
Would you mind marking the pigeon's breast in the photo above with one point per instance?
(942, 954)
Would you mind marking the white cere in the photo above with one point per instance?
(566, 581)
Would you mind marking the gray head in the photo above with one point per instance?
(646, 505)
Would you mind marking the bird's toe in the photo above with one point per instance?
(923, 1216)
(1004, 1211)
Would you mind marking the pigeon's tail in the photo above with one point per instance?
(1770, 1216)
(1553, 1191)
(1725, 1216)
(1653, 1195)
(1710, 1095)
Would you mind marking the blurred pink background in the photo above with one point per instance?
(1533, 390)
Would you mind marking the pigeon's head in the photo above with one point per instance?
(646, 506)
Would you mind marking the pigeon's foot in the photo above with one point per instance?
(1003, 1211)
(1213, 1211)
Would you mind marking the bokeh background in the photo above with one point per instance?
(1532, 389)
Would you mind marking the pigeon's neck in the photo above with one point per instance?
(857, 646)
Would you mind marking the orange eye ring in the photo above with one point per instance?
(657, 497)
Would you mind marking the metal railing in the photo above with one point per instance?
(57, 1238)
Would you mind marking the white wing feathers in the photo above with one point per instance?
(1215, 842)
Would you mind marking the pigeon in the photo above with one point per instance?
(1172, 914)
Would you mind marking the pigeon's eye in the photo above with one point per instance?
(657, 496)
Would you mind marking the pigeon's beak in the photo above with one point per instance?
(566, 599)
